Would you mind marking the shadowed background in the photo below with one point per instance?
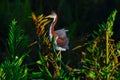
(80, 17)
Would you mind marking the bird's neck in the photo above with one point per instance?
(51, 30)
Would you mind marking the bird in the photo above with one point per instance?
(59, 37)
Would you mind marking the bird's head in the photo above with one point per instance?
(53, 15)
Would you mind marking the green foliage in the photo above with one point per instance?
(102, 57)
(17, 41)
(101, 30)
(12, 68)
(110, 22)
(43, 67)
(35, 75)
(108, 26)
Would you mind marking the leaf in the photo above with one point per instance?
(39, 62)
(34, 17)
(110, 22)
(92, 74)
(36, 75)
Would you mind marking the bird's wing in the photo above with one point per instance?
(63, 42)
(61, 33)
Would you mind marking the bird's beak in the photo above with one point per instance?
(49, 16)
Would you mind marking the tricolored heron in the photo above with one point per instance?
(60, 38)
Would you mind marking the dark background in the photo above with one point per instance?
(80, 17)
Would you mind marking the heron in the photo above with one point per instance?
(59, 37)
